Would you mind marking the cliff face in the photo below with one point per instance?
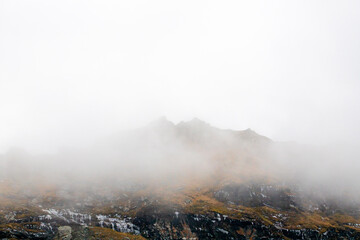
(167, 181)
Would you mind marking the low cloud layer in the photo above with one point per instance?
(169, 155)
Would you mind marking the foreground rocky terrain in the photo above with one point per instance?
(228, 212)
(233, 199)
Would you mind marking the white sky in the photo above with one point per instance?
(71, 71)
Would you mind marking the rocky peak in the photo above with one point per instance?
(195, 123)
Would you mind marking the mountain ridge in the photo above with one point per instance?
(169, 181)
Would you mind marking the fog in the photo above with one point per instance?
(74, 71)
(81, 82)
(165, 156)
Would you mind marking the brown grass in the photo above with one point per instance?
(109, 234)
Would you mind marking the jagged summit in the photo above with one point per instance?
(253, 136)
(195, 122)
(250, 132)
(197, 126)
(201, 133)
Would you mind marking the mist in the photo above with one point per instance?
(74, 72)
(242, 105)
(165, 156)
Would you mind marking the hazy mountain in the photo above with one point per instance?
(188, 180)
